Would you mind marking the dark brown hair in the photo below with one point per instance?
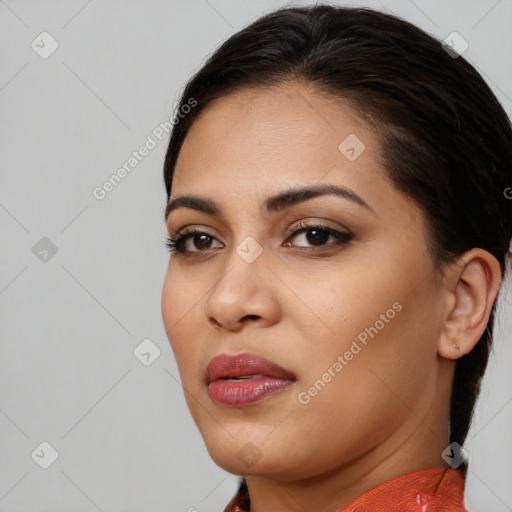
(446, 140)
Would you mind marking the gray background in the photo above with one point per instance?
(70, 324)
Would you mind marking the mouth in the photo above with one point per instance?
(244, 379)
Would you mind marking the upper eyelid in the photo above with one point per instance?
(307, 216)
(303, 226)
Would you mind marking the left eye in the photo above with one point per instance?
(320, 235)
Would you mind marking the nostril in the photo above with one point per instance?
(251, 317)
(215, 322)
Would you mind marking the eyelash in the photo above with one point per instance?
(175, 244)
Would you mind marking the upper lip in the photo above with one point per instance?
(225, 366)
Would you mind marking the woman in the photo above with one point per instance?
(339, 227)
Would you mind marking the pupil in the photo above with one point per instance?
(318, 237)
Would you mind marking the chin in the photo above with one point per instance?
(241, 454)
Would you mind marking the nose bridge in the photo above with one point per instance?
(243, 289)
(242, 270)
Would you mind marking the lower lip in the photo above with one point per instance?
(245, 392)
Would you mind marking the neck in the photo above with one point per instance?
(329, 492)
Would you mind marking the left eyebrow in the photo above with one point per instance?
(272, 204)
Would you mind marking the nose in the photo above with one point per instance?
(245, 293)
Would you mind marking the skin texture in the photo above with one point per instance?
(386, 412)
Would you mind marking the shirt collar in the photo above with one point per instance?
(426, 490)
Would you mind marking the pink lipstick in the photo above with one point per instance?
(244, 379)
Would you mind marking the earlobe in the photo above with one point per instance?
(449, 348)
(473, 285)
(457, 347)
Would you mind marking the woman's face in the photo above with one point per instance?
(337, 289)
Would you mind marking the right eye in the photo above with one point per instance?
(195, 239)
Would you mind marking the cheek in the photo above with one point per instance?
(181, 299)
(169, 302)
(337, 306)
(357, 403)
(368, 317)
(180, 306)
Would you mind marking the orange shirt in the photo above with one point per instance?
(426, 490)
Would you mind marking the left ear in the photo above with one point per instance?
(472, 284)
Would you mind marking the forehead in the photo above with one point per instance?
(251, 145)
(257, 139)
